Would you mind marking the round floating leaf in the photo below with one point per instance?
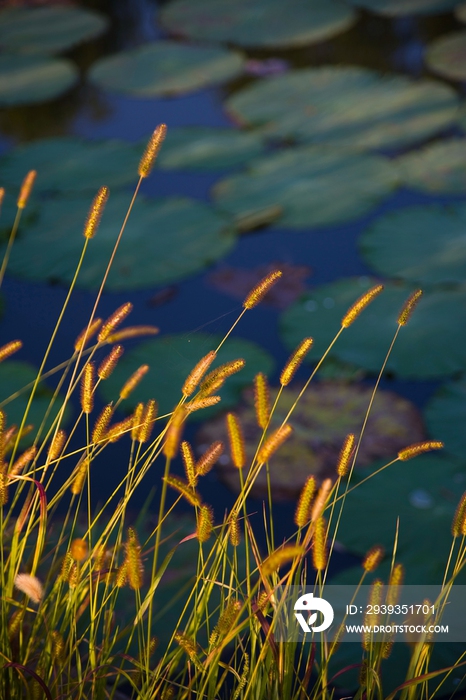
(439, 167)
(28, 79)
(400, 8)
(48, 29)
(72, 164)
(447, 56)
(208, 148)
(346, 106)
(391, 245)
(315, 186)
(445, 416)
(172, 358)
(322, 419)
(165, 240)
(258, 22)
(165, 68)
(433, 343)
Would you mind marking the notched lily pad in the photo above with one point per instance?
(165, 240)
(445, 416)
(447, 56)
(439, 167)
(314, 185)
(27, 79)
(346, 106)
(326, 413)
(171, 359)
(165, 68)
(402, 8)
(425, 244)
(258, 22)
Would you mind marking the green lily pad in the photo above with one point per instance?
(433, 343)
(401, 8)
(28, 79)
(445, 416)
(165, 68)
(48, 29)
(315, 186)
(14, 375)
(171, 359)
(72, 164)
(165, 240)
(258, 22)
(346, 106)
(439, 167)
(447, 56)
(208, 148)
(391, 245)
(325, 415)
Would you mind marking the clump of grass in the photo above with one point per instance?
(62, 591)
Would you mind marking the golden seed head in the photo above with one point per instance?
(174, 432)
(2, 195)
(419, 448)
(408, 308)
(80, 477)
(101, 424)
(10, 348)
(261, 400)
(184, 489)
(131, 332)
(121, 577)
(236, 438)
(198, 404)
(273, 442)
(86, 334)
(189, 464)
(373, 558)
(152, 149)
(206, 461)
(228, 616)
(295, 361)
(360, 304)
(131, 383)
(134, 560)
(95, 212)
(116, 431)
(3, 489)
(397, 575)
(56, 445)
(58, 647)
(321, 499)
(281, 556)
(137, 421)
(205, 523)
(346, 453)
(87, 388)
(187, 644)
(66, 565)
(26, 189)
(303, 509)
(215, 379)
(196, 374)
(109, 363)
(24, 459)
(258, 292)
(79, 549)
(458, 526)
(114, 320)
(31, 586)
(319, 549)
(147, 421)
(234, 532)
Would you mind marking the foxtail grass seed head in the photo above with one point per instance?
(9, 349)
(152, 150)
(303, 509)
(86, 334)
(205, 523)
(196, 374)
(31, 586)
(228, 616)
(87, 388)
(373, 558)
(216, 378)
(121, 578)
(134, 560)
(261, 400)
(394, 583)
(184, 489)
(234, 531)
(131, 332)
(321, 499)
(79, 549)
(281, 556)
(359, 305)
(26, 189)
(2, 196)
(258, 292)
(206, 402)
(408, 308)
(147, 421)
(419, 448)
(56, 445)
(236, 439)
(101, 424)
(118, 430)
(114, 320)
(174, 432)
(109, 363)
(273, 442)
(3, 489)
(207, 460)
(58, 648)
(131, 383)
(66, 565)
(80, 477)
(187, 644)
(137, 421)
(95, 212)
(458, 526)
(23, 460)
(374, 599)
(189, 464)
(319, 549)
(295, 361)
(346, 453)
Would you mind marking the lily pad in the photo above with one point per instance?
(433, 343)
(267, 23)
(439, 167)
(392, 244)
(325, 415)
(48, 29)
(346, 106)
(72, 164)
(445, 416)
(165, 68)
(28, 79)
(165, 240)
(402, 8)
(171, 359)
(208, 148)
(447, 56)
(314, 185)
